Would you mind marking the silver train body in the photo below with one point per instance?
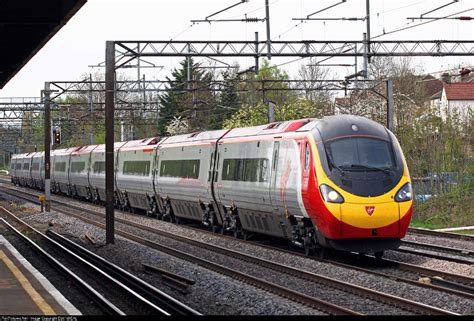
(270, 179)
(187, 176)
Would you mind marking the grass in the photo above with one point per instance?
(444, 211)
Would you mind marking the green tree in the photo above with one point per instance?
(192, 101)
(271, 83)
(228, 100)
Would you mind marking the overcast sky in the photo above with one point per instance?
(81, 42)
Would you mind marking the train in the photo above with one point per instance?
(339, 183)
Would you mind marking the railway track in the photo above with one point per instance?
(457, 236)
(99, 302)
(438, 252)
(120, 293)
(401, 304)
(403, 272)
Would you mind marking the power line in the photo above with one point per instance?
(422, 23)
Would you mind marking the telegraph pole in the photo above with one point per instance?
(367, 19)
(109, 140)
(91, 109)
(47, 147)
(267, 20)
(390, 104)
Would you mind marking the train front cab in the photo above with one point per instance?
(361, 198)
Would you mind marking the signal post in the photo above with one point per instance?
(47, 147)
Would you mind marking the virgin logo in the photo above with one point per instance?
(370, 209)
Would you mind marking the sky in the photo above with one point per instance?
(81, 42)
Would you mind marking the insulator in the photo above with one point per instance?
(252, 20)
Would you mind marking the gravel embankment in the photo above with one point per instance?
(213, 294)
(129, 259)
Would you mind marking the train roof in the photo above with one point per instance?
(268, 129)
(63, 151)
(332, 127)
(83, 150)
(101, 148)
(202, 137)
(37, 154)
(19, 156)
(148, 143)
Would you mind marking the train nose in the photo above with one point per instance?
(370, 219)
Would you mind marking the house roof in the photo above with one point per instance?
(459, 91)
(433, 87)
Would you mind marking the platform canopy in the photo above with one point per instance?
(26, 26)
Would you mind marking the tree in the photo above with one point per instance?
(193, 100)
(228, 100)
(313, 87)
(258, 89)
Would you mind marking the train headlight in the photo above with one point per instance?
(405, 193)
(330, 194)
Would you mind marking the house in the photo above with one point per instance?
(457, 98)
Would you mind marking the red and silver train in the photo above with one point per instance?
(340, 182)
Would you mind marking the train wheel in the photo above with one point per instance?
(323, 253)
(307, 250)
(379, 254)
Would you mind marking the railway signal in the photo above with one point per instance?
(57, 135)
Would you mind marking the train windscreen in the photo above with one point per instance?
(360, 153)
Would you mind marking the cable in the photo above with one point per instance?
(420, 24)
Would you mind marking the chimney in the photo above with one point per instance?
(464, 72)
(446, 77)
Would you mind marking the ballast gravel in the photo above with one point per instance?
(212, 294)
(216, 294)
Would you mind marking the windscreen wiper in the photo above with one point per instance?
(369, 168)
(331, 162)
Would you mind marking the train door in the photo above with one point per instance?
(305, 164)
(154, 171)
(274, 176)
(213, 180)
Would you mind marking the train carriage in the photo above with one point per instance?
(23, 170)
(185, 164)
(13, 174)
(259, 175)
(16, 166)
(60, 164)
(97, 171)
(37, 170)
(79, 171)
(365, 199)
(134, 175)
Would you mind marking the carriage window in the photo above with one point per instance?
(306, 157)
(245, 169)
(35, 166)
(99, 167)
(137, 168)
(18, 166)
(26, 166)
(187, 168)
(60, 167)
(77, 167)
